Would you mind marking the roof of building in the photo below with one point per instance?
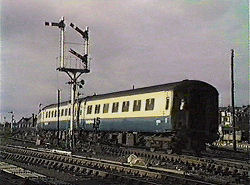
(26, 120)
(237, 109)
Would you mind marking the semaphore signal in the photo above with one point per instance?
(61, 25)
(84, 33)
(85, 36)
(84, 58)
(73, 73)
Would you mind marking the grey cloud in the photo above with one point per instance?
(139, 43)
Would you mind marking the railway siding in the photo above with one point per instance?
(95, 167)
(185, 159)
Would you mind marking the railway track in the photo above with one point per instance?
(79, 165)
(232, 164)
(214, 151)
(207, 168)
(12, 174)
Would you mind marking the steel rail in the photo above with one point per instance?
(144, 175)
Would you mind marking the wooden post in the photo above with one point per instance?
(58, 114)
(232, 94)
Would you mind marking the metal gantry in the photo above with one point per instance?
(73, 73)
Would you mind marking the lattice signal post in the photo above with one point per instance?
(73, 72)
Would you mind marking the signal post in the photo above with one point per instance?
(73, 72)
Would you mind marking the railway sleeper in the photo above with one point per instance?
(127, 170)
(71, 168)
(25, 158)
(121, 170)
(32, 160)
(15, 156)
(51, 164)
(68, 167)
(59, 166)
(88, 171)
(65, 167)
(210, 167)
(46, 162)
(8, 156)
(76, 169)
(55, 165)
(43, 162)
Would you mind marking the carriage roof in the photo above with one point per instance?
(156, 88)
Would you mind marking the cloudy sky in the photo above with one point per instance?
(132, 42)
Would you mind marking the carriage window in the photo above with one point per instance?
(52, 114)
(89, 109)
(105, 108)
(55, 113)
(69, 111)
(137, 105)
(49, 114)
(125, 106)
(115, 107)
(66, 112)
(150, 104)
(97, 109)
(46, 114)
(167, 103)
(62, 112)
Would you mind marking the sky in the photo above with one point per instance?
(132, 42)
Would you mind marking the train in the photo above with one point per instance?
(173, 117)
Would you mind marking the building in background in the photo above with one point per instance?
(241, 123)
(29, 122)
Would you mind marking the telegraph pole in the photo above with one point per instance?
(58, 113)
(73, 73)
(232, 94)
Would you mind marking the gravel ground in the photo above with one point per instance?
(9, 179)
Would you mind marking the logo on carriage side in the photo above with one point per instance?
(158, 122)
(89, 121)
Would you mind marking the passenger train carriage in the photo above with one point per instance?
(174, 116)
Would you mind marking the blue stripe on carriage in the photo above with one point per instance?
(63, 125)
(152, 124)
(156, 124)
